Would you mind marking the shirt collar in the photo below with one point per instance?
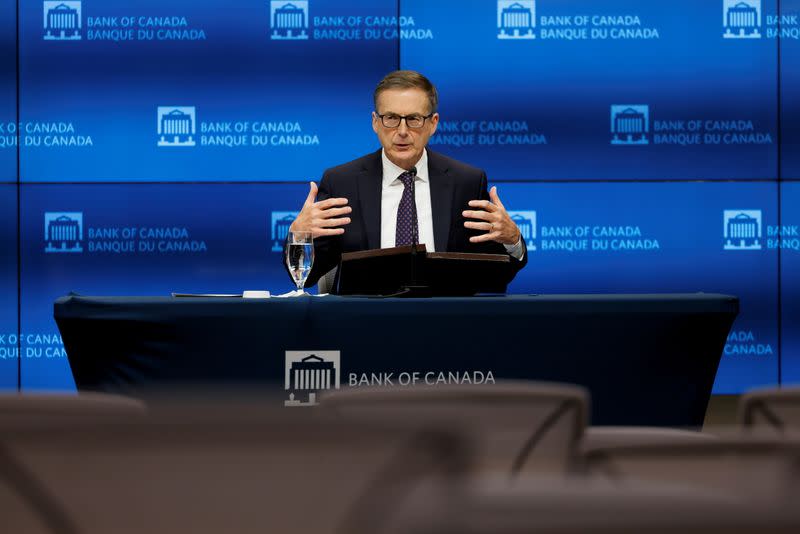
(391, 172)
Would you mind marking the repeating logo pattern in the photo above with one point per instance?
(62, 21)
(742, 229)
(63, 231)
(630, 124)
(281, 221)
(516, 19)
(309, 372)
(177, 126)
(288, 19)
(526, 222)
(741, 19)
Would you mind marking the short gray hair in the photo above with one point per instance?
(407, 79)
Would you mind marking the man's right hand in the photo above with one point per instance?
(321, 218)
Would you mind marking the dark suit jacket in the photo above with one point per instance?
(452, 185)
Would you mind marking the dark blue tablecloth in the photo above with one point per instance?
(647, 359)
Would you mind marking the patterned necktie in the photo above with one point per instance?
(406, 230)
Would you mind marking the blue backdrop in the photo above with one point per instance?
(9, 327)
(790, 281)
(155, 146)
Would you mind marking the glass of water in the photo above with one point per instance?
(300, 256)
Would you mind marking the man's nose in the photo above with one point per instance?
(402, 128)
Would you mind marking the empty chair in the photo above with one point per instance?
(24, 510)
(772, 409)
(69, 405)
(281, 472)
(519, 427)
(605, 436)
(573, 506)
(762, 469)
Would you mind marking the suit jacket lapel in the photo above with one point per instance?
(442, 193)
(369, 196)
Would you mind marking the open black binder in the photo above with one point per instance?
(400, 271)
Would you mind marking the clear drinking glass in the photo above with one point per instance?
(300, 256)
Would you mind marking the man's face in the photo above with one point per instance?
(404, 145)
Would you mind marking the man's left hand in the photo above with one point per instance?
(491, 217)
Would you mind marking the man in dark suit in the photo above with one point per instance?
(365, 204)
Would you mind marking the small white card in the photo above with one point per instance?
(255, 294)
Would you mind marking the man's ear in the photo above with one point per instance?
(434, 122)
(375, 121)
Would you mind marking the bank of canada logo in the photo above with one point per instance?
(281, 221)
(526, 222)
(630, 125)
(741, 19)
(742, 229)
(63, 231)
(288, 19)
(176, 125)
(62, 21)
(516, 19)
(308, 373)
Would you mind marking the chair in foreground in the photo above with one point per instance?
(519, 427)
(763, 470)
(598, 437)
(69, 405)
(288, 473)
(770, 410)
(572, 506)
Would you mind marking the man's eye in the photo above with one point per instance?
(414, 118)
(392, 117)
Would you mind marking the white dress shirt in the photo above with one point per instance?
(392, 192)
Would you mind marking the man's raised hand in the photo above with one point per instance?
(321, 218)
(491, 217)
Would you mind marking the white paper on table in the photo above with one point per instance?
(291, 294)
(255, 294)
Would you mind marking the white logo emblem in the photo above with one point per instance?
(526, 222)
(308, 372)
(63, 231)
(630, 125)
(742, 229)
(741, 19)
(281, 220)
(62, 21)
(516, 19)
(176, 125)
(288, 19)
